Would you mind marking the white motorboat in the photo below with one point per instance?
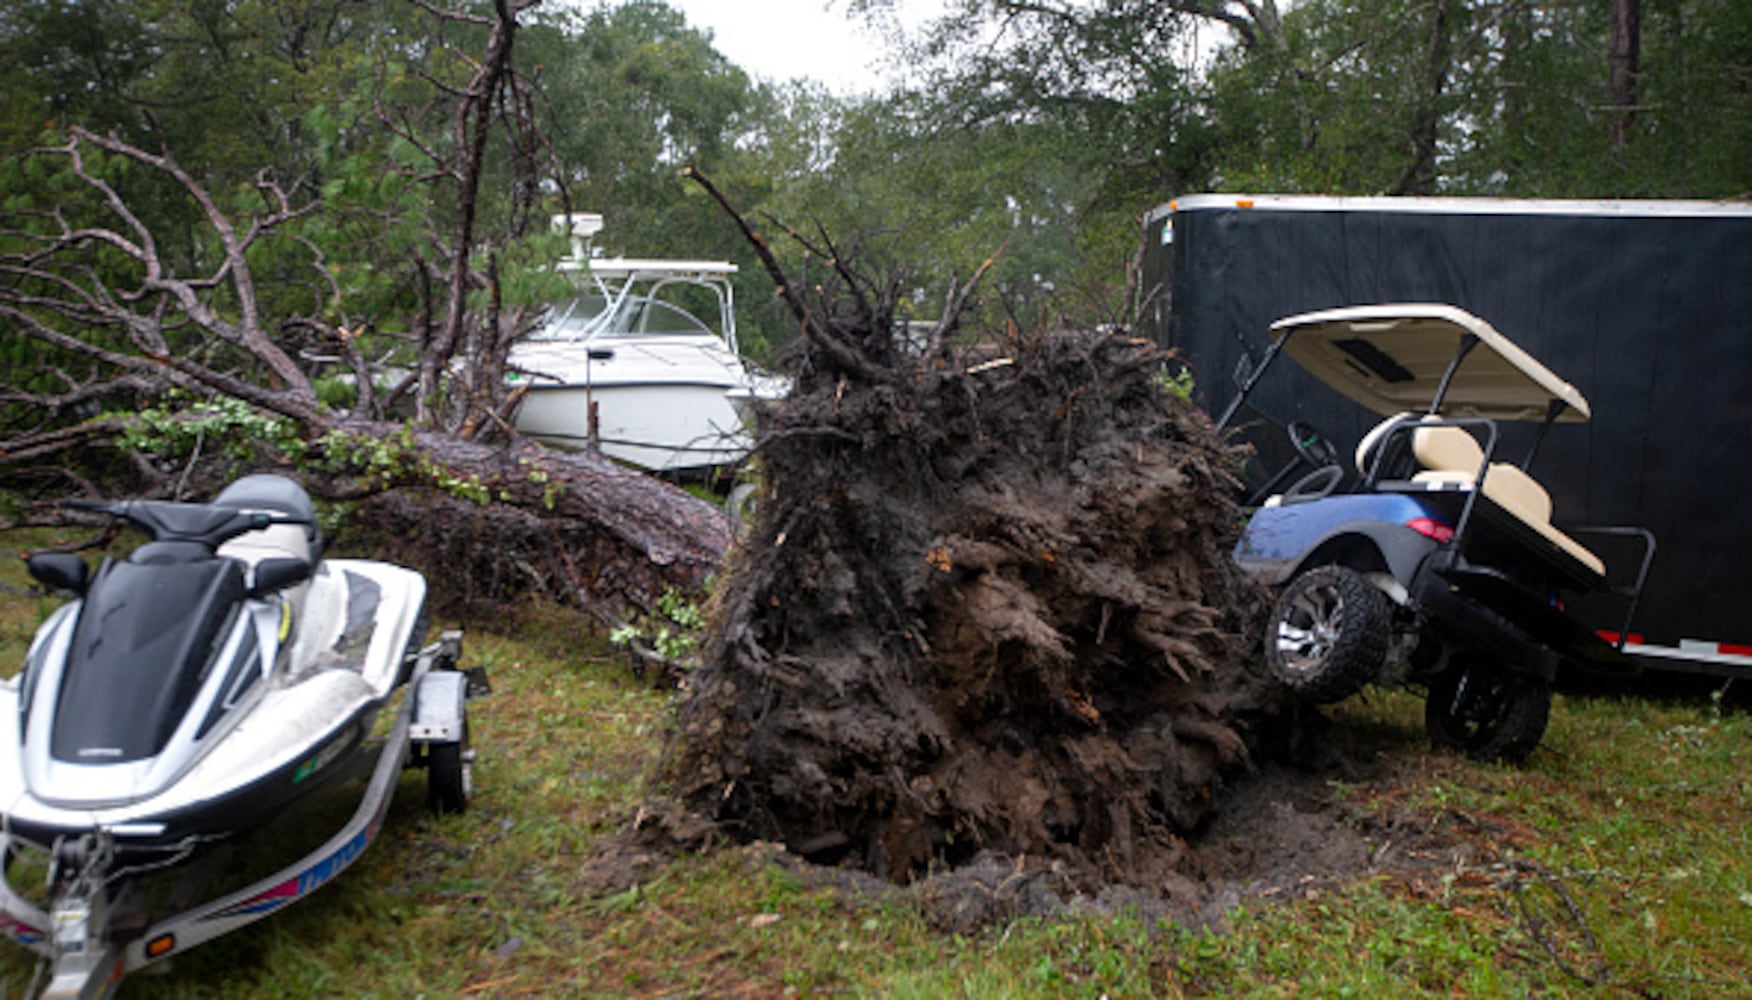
(629, 367)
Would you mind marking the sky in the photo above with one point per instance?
(783, 39)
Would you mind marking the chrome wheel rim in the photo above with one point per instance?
(1309, 627)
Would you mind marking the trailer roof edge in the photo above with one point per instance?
(1452, 206)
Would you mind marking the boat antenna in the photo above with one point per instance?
(581, 229)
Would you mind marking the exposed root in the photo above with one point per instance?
(988, 606)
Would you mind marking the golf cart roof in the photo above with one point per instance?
(1391, 359)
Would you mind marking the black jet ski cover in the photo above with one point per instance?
(147, 636)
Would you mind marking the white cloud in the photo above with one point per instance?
(786, 39)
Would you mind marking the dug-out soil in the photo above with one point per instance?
(1287, 831)
(987, 606)
(985, 643)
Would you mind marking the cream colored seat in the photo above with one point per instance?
(1451, 455)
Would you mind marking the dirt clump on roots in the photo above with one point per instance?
(987, 608)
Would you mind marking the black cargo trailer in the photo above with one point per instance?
(1645, 306)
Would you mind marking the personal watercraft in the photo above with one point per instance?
(193, 691)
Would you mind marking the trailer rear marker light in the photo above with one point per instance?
(1431, 528)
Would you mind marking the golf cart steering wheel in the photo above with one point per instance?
(1315, 447)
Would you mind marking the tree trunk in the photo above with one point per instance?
(1624, 48)
(570, 526)
(1419, 177)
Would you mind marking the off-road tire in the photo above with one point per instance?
(1487, 711)
(1328, 634)
(449, 775)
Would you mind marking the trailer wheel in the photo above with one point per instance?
(1486, 711)
(1328, 634)
(450, 774)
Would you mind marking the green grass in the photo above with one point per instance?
(1616, 863)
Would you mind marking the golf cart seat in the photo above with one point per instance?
(1451, 455)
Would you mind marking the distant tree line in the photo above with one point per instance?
(406, 157)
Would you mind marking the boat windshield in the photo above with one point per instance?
(588, 316)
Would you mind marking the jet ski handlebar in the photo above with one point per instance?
(206, 524)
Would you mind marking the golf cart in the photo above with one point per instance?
(1428, 562)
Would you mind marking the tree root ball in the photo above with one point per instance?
(988, 606)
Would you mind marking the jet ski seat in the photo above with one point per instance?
(269, 492)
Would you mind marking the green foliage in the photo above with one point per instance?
(178, 430)
(335, 393)
(1485, 97)
(387, 461)
(676, 630)
(1176, 382)
(1036, 144)
(551, 491)
(633, 94)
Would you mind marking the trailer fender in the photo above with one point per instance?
(439, 707)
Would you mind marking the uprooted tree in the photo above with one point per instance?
(987, 605)
(161, 362)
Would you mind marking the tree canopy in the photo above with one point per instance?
(388, 169)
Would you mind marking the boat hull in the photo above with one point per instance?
(672, 428)
(667, 402)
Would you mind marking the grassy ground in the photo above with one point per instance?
(1616, 863)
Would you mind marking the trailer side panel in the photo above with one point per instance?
(1644, 308)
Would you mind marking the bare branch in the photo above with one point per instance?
(472, 124)
(1254, 21)
(235, 269)
(841, 353)
(957, 301)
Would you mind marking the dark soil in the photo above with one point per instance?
(987, 609)
(1283, 832)
(985, 639)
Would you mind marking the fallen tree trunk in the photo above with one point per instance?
(197, 381)
(571, 526)
(488, 524)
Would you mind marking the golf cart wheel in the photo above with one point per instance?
(450, 775)
(1328, 634)
(1488, 712)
